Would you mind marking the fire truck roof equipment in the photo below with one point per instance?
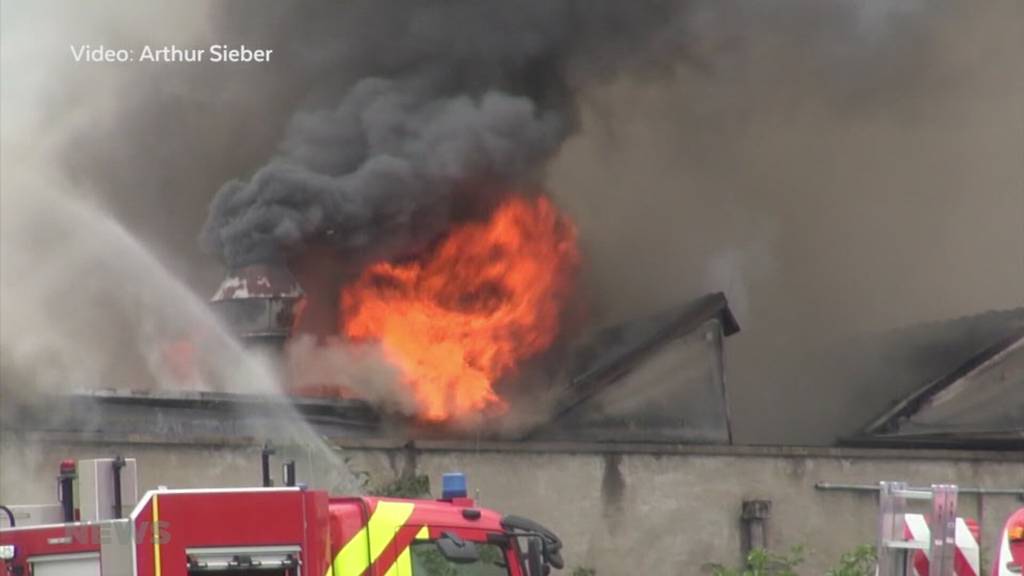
(453, 485)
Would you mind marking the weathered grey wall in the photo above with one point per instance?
(623, 510)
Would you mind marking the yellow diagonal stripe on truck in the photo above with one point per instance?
(157, 564)
(367, 545)
(403, 565)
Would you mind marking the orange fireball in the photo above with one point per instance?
(463, 316)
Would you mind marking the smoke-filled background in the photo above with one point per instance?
(837, 168)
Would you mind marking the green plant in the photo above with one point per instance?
(859, 562)
(404, 486)
(761, 562)
(428, 560)
(581, 571)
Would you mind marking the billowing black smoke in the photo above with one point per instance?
(444, 107)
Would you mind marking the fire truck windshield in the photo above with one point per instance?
(427, 560)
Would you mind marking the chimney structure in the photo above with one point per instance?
(258, 302)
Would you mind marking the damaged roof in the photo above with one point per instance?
(976, 401)
(658, 378)
(615, 349)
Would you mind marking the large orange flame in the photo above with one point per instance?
(461, 317)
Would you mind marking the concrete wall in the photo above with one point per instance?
(632, 509)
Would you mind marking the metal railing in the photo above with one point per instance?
(840, 487)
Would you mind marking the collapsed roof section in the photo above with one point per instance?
(657, 379)
(979, 403)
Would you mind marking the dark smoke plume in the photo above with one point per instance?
(451, 105)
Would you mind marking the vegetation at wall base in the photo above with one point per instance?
(404, 486)
(860, 562)
(760, 562)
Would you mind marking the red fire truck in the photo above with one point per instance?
(1010, 554)
(266, 531)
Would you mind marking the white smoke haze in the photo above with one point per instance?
(835, 167)
(86, 305)
(88, 308)
(362, 370)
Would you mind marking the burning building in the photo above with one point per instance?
(454, 320)
(394, 173)
(412, 208)
(489, 296)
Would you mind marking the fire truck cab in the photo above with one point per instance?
(287, 531)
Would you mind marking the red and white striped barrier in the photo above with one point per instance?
(966, 555)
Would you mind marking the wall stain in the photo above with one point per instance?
(411, 464)
(613, 488)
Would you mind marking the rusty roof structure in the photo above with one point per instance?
(258, 281)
